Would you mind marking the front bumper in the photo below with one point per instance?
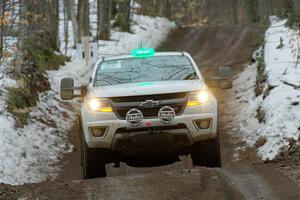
(119, 135)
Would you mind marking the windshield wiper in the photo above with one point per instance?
(108, 79)
(192, 76)
(177, 72)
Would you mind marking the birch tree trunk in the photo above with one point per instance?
(66, 26)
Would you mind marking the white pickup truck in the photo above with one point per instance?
(147, 103)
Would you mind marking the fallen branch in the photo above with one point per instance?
(292, 85)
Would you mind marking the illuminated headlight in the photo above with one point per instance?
(198, 98)
(99, 105)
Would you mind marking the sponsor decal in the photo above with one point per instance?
(134, 117)
(166, 114)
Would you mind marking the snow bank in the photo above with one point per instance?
(281, 104)
(31, 154)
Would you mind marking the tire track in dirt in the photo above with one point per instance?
(251, 185)
(198, 183)
(259, 182)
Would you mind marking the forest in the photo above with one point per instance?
(30, 30)
(35, 19)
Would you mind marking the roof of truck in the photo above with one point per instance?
(155, 55)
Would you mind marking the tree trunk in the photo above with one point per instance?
(66, 27)
(2, 8)
(83, 18)
(71, 8)
(2, 28)
(124, 15)
(99, 16)
(56, 22)
(167, 9)
(104, 17)
(51, 10)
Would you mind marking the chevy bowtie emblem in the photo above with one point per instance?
(149, 104)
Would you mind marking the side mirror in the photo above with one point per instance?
(67, 89)
(223, 80)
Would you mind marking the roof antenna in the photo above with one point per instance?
(142, 52)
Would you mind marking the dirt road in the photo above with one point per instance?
(242, 178)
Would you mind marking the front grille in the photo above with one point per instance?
(121, 105)
(148, 112)
(155, 97)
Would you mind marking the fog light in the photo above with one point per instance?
(98, 131)
(203, 123)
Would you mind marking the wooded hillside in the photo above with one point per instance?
(225, 12)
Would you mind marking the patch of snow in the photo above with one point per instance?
(151, 31)
(31, 154)
(282, 104)
(135, 5)
(93, 16)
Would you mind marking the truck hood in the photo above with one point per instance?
(148, 88)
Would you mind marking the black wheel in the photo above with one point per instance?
(92, 159)
(207, 153)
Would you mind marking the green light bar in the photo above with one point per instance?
(145, 84)
(143, 52)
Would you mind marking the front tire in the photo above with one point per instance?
(93, 160)
(207, 153)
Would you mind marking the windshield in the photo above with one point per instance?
(131, 70)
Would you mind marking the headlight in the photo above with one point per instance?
(99, 105)
(198, 98)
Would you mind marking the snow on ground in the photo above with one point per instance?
(282, 104)
(93, 16)
(32, 153)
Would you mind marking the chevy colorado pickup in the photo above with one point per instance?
(147, 103)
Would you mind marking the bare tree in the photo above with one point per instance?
(71, 10)
(252, 7)
(123, 16)
(104, 18)
(83, 18)
(66, 26)
(2, 25)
